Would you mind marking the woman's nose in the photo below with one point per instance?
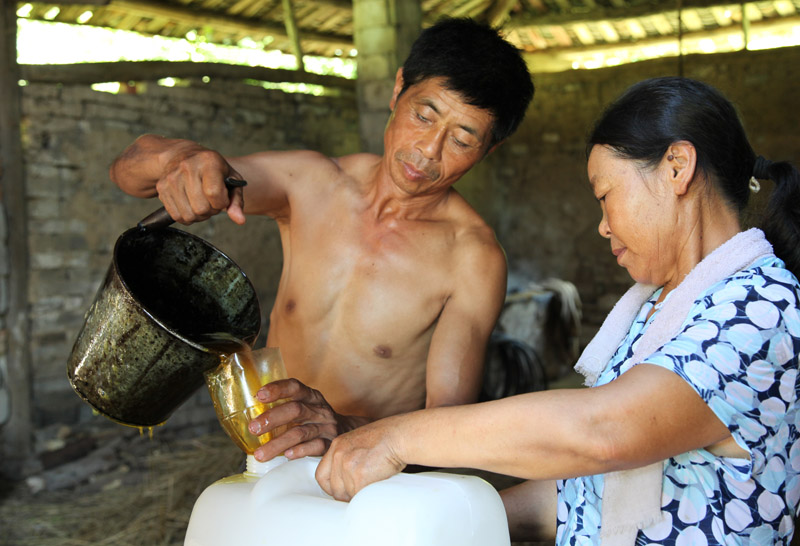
(603, 228)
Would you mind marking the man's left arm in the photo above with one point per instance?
(458, 346)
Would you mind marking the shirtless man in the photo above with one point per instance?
(391, 282)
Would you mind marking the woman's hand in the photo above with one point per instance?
(363, 456)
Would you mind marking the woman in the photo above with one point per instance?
(689, 434)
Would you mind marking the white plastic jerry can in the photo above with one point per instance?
(280, 503)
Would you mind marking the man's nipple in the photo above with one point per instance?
(382, 351)
(290, 305)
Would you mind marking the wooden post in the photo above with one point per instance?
(293, 32)
(383, 31)
(16, 434)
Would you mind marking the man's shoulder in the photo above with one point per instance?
(468, 221)
(308, 160)
(358, 167)
(311, 171)
(475, 238)
(349, 171)
(478, 262)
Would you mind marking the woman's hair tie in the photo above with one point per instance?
(761, 168)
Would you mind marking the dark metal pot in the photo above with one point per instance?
(145, 343)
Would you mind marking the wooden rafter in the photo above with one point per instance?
(87, 73)
(611, 13)
(656, 40)
(499, 12)
(83, 2)
(215, 19)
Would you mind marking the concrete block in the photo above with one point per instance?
(370, 13)
(107, 111)
(252, 116)
(376, 95)
(176, 126)
(43, 208)
(58, 225)
(40, 173)
(376, 66)
(376, 40)
(55, 259)
(41, 90)
(195, 110)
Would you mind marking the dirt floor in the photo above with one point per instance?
(103, 484)
(114, 486)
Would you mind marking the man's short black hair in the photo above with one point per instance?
(478, 64)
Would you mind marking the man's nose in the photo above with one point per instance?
(431, 142)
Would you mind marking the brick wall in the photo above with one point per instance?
(71, 134)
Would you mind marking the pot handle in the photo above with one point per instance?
(161, 217)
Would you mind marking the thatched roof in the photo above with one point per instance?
(325, 27)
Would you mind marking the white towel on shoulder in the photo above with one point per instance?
(632, 498)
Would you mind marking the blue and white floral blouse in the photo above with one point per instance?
(739, 350)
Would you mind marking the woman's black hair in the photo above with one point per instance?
(478, 64)
(653, 114)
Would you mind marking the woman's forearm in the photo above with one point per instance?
(648, 414)
(518, 436)
(541, 435)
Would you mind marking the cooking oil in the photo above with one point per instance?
(233, 386)
(236, 425)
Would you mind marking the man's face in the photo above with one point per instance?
(433, 136)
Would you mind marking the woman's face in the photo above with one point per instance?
(639, 215)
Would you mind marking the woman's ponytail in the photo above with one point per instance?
(781, 223)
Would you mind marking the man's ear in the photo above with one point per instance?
(398, 87)
(493, 148)
(680, 163)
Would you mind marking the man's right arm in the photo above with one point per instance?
(188, 178)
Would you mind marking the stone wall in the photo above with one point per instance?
(533, 189)
(71, 135)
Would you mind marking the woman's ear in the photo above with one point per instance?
(680, 162)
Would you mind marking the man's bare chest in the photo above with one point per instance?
(392, 280)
